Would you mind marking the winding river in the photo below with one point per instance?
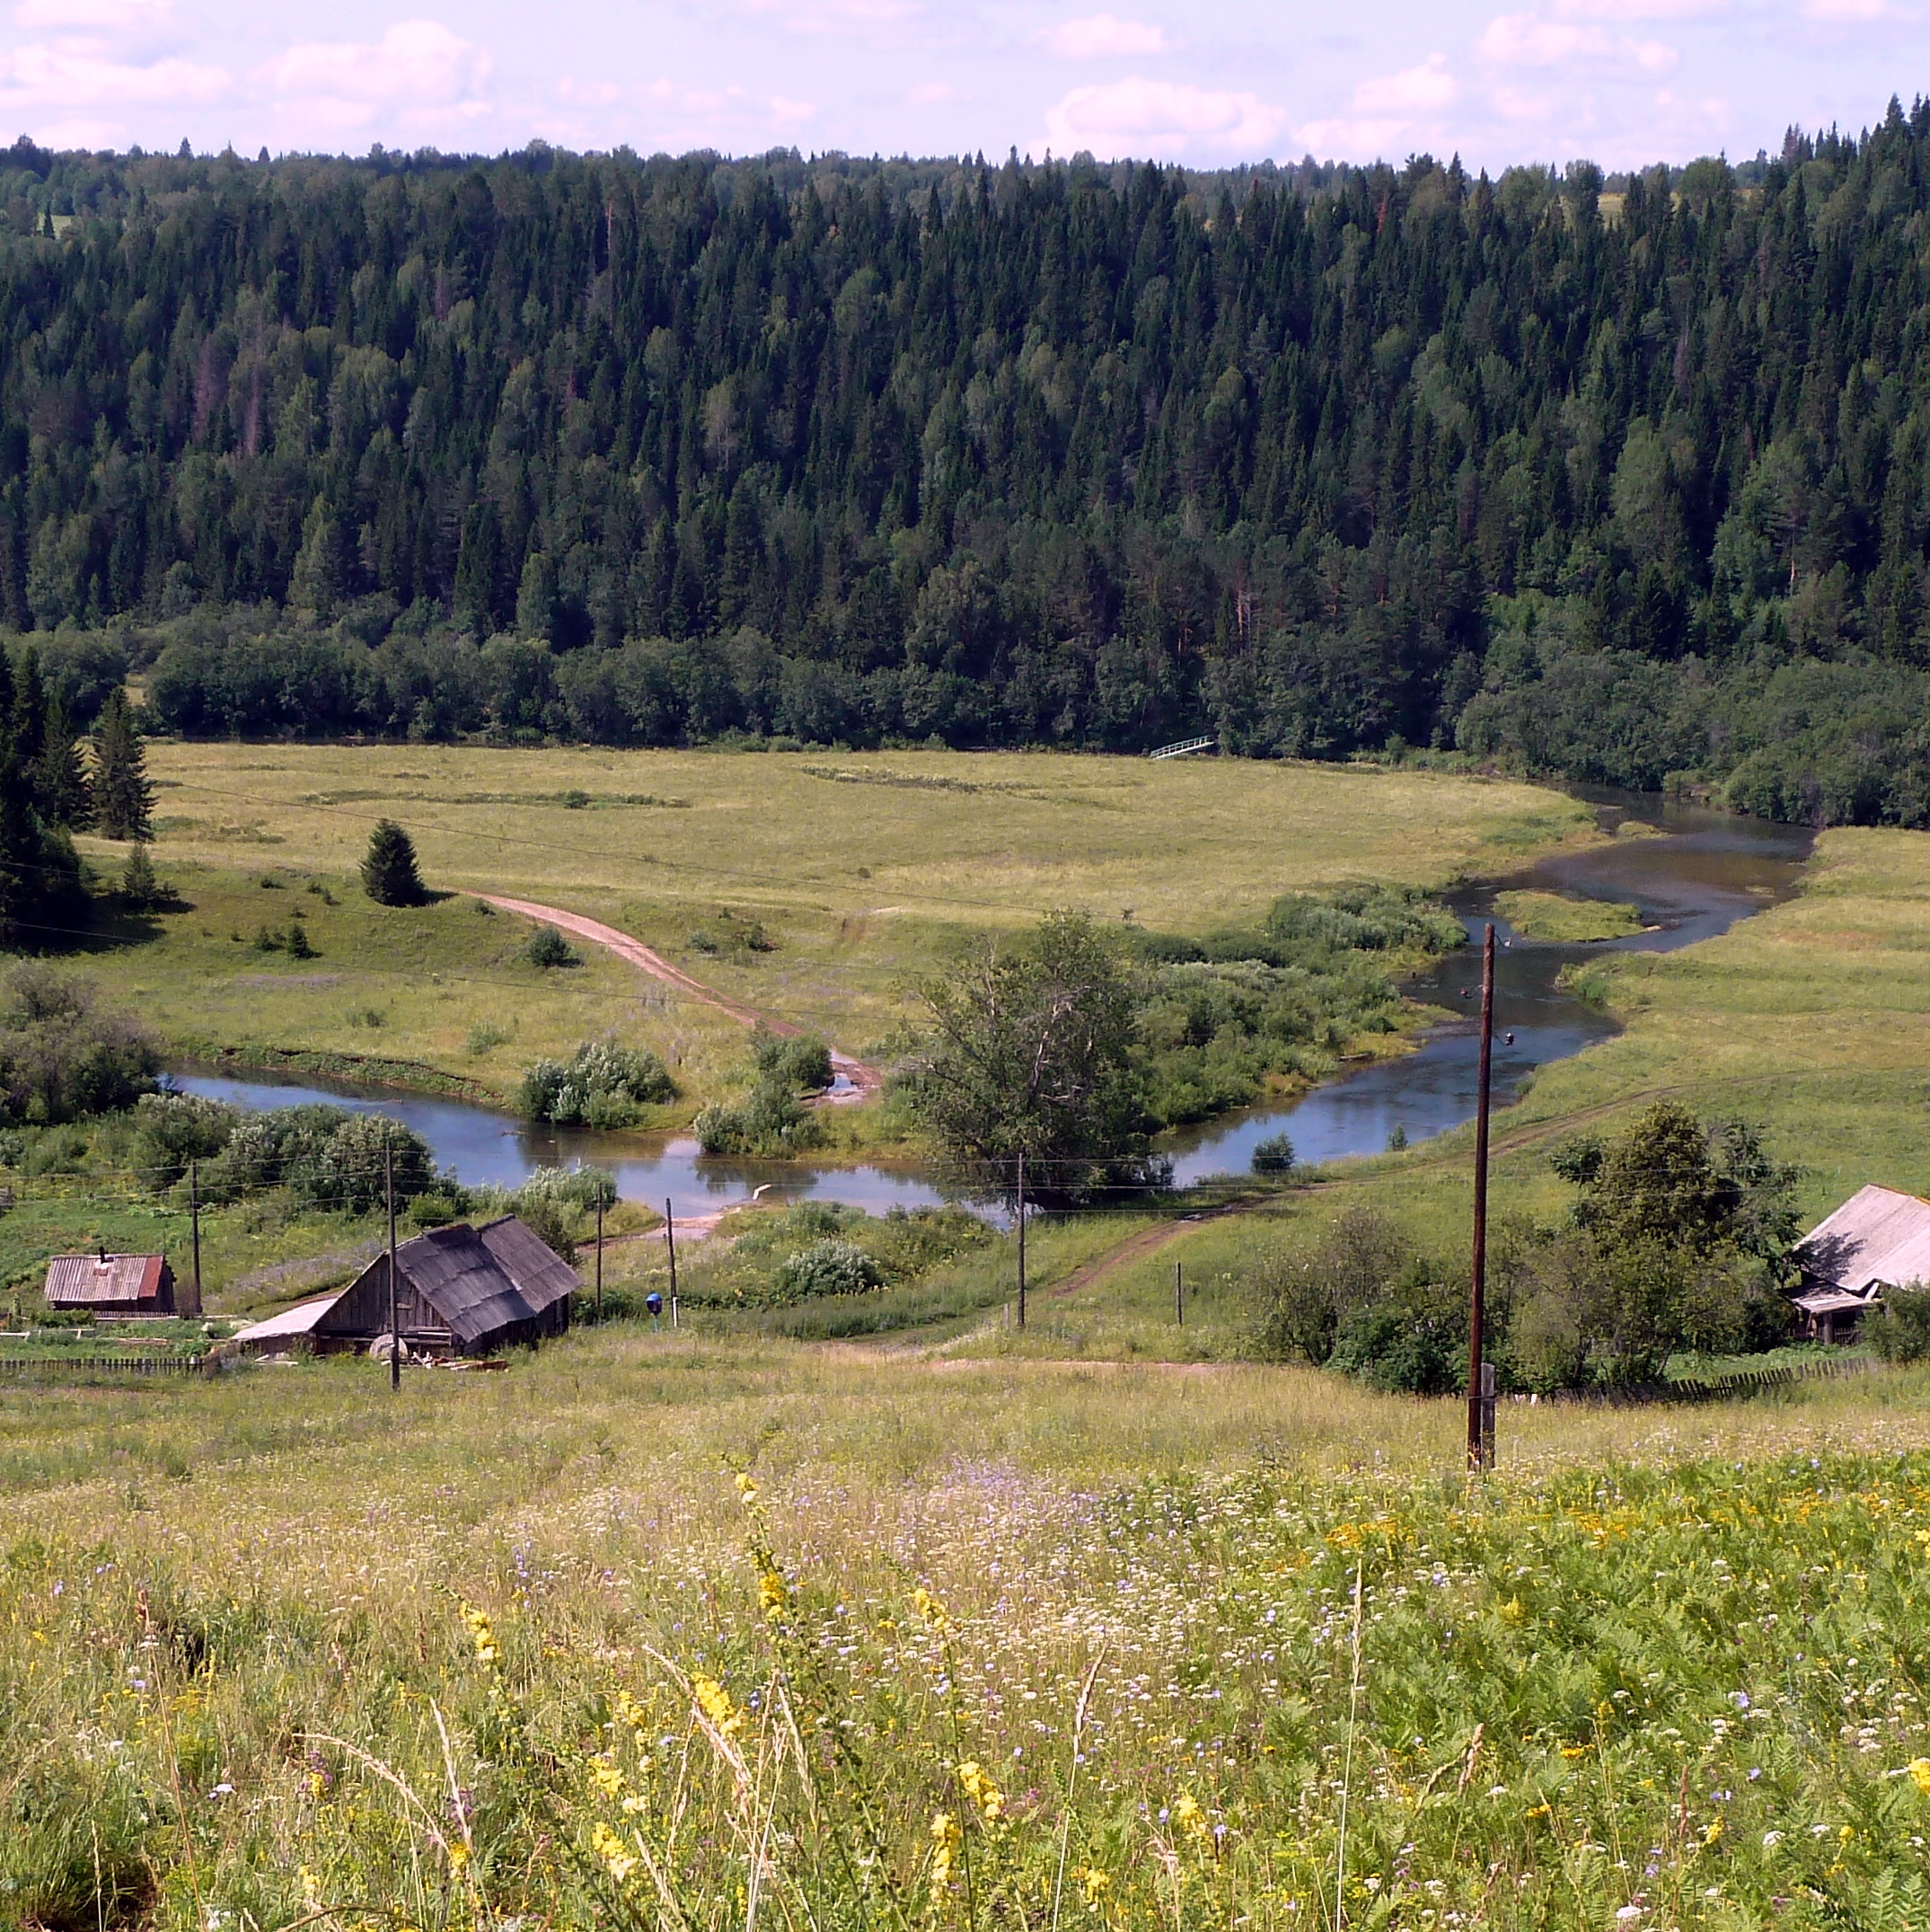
(1692, 873)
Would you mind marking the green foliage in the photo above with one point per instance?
(1302, 1297)
(62, 1054)
(1899, 1332)
(173, 1129)
(140, 890)
(123, 795)
(769, 1121)
(327, 1157)
(389, 873)
(828, 1267)
(602, 1084)
(1030, 1049)
(548, 948)
(1273, 1155)
(802, 1063)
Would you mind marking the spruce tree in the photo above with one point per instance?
(61, 790)
(122, 793)
(140, 890)
(389, 874)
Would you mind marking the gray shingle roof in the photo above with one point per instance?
(482, 1281)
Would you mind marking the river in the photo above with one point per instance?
(1695, 876)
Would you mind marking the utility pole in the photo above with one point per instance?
(1021, 1240)
(670, 1241)
(194, 1222)
(395, 1316)
(599, 1255)
(1480, 1375)
(1179, 1293)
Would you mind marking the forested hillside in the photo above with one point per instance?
(1617, 485)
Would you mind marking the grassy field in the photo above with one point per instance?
(1551, 916)
(857, 869)
(976, 1645)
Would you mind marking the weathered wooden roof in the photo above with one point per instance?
(1879, 1237)
(95, 1280)
(290, 1323)
(541, 1275)
(483, 1280)
(1834, 1301)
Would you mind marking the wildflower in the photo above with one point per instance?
(484, 1638)
(746, 1488)
(771, 1594)
(617, 1862)
(458, 1856)
(946, 1837)
(715, 1703)
(1190, 1819)
(1771, 1839)
(932, 1611)
(1713, 1833)
(1919, 1770)
(607, 1777)
(1093, 1885)
(980, 1788)
(310, 1887)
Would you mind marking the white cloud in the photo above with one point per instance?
(70, 14)
(1527, 40)
(1635, 10)
(82, 73)
(418, 64)
(1351, 140)
(1840, 13)
(1420, 90)
(1160, 119)
(1102, 35)
(833, 16)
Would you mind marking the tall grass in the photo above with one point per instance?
(960, 1639)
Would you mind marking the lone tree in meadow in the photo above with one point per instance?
(1029, 1049)
(389, 874)
(124, 796)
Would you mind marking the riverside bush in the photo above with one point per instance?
(602, 1085)
(1899, 1332)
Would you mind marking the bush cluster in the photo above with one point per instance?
(771, 1120)
(602, 1084)
(63, 1056)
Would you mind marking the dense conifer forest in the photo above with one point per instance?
(1622, 481)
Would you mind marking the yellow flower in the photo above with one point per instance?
(484, 1637)
(1919, 1770)
(746, 1488)
(1713, 1833)
(932, 1611)
(771, 1594)
(1190, 1819)
(310, 1887)
(1512, 1611)
(715, 1703)
(458, 1854)
(607, 1777)
(1093, 1884)
(944, 1841)
(980, 1788)
(619, 1861)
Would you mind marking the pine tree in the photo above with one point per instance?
(389, 874)
(122, 791)
(61, 791)
(140, 890)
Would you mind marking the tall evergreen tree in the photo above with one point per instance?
(124, 796)
(389, 873)
(62, 791)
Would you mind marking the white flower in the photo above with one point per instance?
(1628, 1914)
(1771, 1838)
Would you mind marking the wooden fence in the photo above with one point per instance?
(1718, 1387)
(69, 1368)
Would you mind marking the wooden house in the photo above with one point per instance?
(459, 1290)
(111, 1285)
(1879, 1238)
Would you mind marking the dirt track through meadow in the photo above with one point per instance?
(863, 1080)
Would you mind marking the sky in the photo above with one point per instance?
(1623, 82)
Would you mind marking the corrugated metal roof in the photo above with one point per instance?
(1879, 1237)
(482, 1282)
(93, 1280)
(538, 1272)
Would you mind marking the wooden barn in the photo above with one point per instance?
(1879, 1238)
(461, 1291)
(110, 1286)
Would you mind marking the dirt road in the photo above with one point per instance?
(856, 1081)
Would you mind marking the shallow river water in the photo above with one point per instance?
(1703, 873)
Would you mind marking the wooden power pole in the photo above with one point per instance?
(194, 1222)
(1021, 1240)
(1480, 1381)
(670, 1241)
(395, 1305)
(599, 1254)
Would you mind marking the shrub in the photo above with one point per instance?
(141, 891)
(64, 1056)
(326, 1156)
(802, 1062)
(1301, 1298)
(771, 1121)
(1899, 1332)
(1273, 1155)
(829, 1268)
(548, 948)
(388, 872)
(175, 1128)
(601, 1085)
